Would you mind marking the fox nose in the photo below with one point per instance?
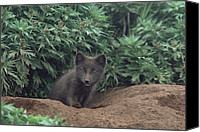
(87, 81)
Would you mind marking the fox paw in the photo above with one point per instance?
(77, 105)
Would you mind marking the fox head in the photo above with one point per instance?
(89, 69)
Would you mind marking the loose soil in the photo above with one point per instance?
(154, 106)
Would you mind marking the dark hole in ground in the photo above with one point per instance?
(96, 107)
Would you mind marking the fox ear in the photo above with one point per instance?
(80, 57)
(101, 59)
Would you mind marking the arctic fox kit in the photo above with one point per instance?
(75, 88)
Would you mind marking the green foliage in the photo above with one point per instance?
(166, 38)
(17, 116)
(144, 43)
(154, 50)
(39, 43)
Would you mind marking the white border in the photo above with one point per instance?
(19, 2)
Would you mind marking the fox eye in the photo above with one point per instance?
(95, 71)
(81, 69)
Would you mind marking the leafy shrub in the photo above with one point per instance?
(17, 116)
(144, 43)
(39, 43)
(152, 47)
(166, 38)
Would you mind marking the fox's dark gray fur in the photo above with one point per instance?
(76, 87)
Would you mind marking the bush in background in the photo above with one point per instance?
(144, 43)
(150, 43)
(40, 42)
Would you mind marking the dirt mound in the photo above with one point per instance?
(142, 107)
